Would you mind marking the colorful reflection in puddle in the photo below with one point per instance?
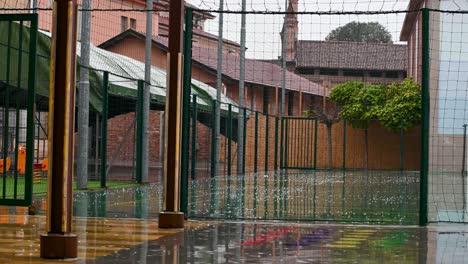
(279, 243)
(107, 235)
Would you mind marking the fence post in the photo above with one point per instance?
(256, 143)
(255, 164)
(244, 139)
(463, 173)
(17, 115)
(229, 146)
(267, 137)
(282, 144)
(243, 160)
(186, 110)
(31, 101)
(423, 206)
(105, 111)
(6, 117)
(213, 139)
(229, 134)
(275, 175)
(139, 113)
(276, 144)
(194, 151)
(213, 183)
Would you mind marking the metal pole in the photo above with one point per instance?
(256, 144)
(171, 217)
(162, 130)
(83, 100)
(59, 242)
(240, 119)
(213, 171)
(423, 206)
(186, 108)
(219, 86)
(283, 59)
(146, 94)
(194, 138)
(465, 187)
(194, 153)
(105, 106)
(34, 6)
(140, 132)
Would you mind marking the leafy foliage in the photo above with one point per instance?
(402, 108)
(397, 106)
(359, 104)
(371, 32)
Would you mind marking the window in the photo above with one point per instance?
(391, 74)
(306, 71)
(332, 72)
(133, 23)
(375, 74)
(353, 73)
(290, 103)
(123, 23)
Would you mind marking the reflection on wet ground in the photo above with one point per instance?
(120, 226)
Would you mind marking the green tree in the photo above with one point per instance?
(402, 109)
(360, 106)
(371, 32)
(397, 106)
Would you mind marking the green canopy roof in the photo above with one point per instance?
(123, 71)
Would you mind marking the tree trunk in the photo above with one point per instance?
(330, 147)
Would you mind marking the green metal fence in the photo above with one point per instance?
(298, 167)
(17, 90)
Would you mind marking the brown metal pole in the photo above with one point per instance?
(59, 242)
(171, 217)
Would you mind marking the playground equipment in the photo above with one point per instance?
(7, 165)
(39, 167)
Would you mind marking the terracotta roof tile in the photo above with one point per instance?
(256, 71)
(351, 55)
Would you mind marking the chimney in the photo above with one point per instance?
(292, 25)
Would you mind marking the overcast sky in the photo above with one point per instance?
(262, 31)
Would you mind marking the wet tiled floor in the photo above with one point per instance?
(120, 226)
(104, 240)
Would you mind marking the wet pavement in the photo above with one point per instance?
(120, 226)
(104, 240)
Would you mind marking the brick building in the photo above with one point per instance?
(262, 80)
(338, 61)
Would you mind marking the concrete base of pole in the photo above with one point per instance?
(171, 220)
(59, 246)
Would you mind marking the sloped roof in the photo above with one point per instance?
(351, 55)
(256, 71)
(124, 72)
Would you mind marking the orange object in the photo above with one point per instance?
(45, 164)
(8, 164)
(21, 168)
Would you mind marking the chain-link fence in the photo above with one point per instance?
(287, 148)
